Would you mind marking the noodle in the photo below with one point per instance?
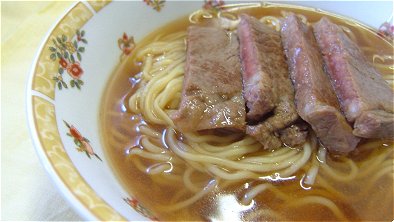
(219, 155)
(211, 185)
(198, 164)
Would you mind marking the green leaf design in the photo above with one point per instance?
(72, 58)
(77, 142)
(68, 134)
(58, 40)
(64, 85)
(77, 85)
(59, 85)
(78, 32)
(66, 54)
(81, 49)
(75, 44)
(88, 154)
(59, 55)
(64, 38)
(79, 56)
(53, 49)
(55, 78)
(84, 41)
(83, 33)
(72, 83)
(54, 41)
(53, 56)
(98, 157)
(68, 125)
(80, 82)
(61, 70)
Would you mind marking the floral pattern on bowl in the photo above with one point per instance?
(68, 54)
(81, 53)
(82, 143)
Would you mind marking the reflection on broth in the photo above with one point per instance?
(228, 176)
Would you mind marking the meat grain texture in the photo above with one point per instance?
(315, 99)
(212, 86)
(365, 97)
(268, 91)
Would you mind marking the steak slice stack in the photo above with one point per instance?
(268, 91)
(212, 86)
(365, 98)
(258, 51)
(315, 99)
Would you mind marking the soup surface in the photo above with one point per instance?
(357, 187)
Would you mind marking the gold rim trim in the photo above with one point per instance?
(99, 4)
(48, 134)
(45, 118)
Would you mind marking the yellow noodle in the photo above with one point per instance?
(310, 176)
(188, 182)
(270, 159)
(147, 155)
(145, 130)
(339, 176)
(158, 168)
(149, 146)
(179, 148)
(230, 159)
(191, 200)
(252, 193)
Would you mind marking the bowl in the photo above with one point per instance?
(68, 79)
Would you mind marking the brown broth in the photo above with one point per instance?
(374, 204)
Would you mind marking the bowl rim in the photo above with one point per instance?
(66, 191)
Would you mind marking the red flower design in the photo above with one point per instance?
(386, 30)
(125, 37)
(75, 70)
(213, 4)
(155, 4)
(63, 63)
(133, 202)
(88, 147)
(76, 134)
(126, 44)
(127, 51)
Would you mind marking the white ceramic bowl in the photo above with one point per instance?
(64, 112)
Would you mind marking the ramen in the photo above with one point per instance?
(226, 175)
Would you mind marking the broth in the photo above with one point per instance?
(364, 200)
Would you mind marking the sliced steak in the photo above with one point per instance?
(259, 46)
(315, 99)
(212, 86)
(374, 124)
(267, 131)
(294, 135)
(268, 91)
(358, 86)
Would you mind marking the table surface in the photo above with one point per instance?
(27, 191)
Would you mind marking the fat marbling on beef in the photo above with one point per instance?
(364, 96)
(315, 99)
(212, 86)
(268, 91)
